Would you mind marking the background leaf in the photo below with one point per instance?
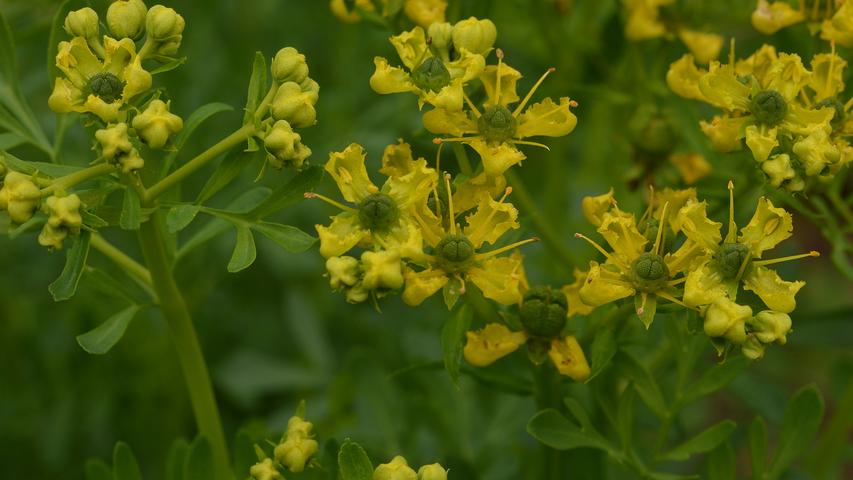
(65, 286)
(353, 462)
(452, 340)
(244, 250)
(101, 339)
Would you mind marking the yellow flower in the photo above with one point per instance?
(432, 471)
(704, 46)
(297, 446)
(770, 17)
(156, 124)
(496, 131)
(476, 36)
(425, 12)
(435, 80)
(491, 343)
(90, 84)
(595, 207)
(381, 216)
(683, 78)
(569, 358)
(839, 28)
(725, 318)
(396, 469)
(576, 305)
(691, 166)
(644, 19)
(265, 470)
(456, 251)
(19, 196)
(126, 18)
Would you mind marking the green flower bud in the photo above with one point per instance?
(63, 219)
(730, 257)
(431, 75)
(396, 469)
(544, 311)
(455, 249)
(114, 141)
(293, 104)
(476, 36)
(497, 124)
(649, 272)
(165, 27)
(768, 107)
(289, 66)
(265, 470)
(378, 212)
(126, 18)
(20, 196)
(156, 124)
(106, 86)
(82, 23)
(725, 318)
(433, 471)
(440, 35)
(285, 146)
(770, 326)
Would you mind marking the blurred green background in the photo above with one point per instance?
(275, 334)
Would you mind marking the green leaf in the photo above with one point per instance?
(65, 286)
(244, 250)
(199, 461)
(125, 466)
(290, 193)
(176, 459)
(715, 378)
(644, 383)
(180, 217)
(553, 429)
(353, 462)
(257, 87)
(169, 65)
(758, 447)
(244, 452)
(131, 211)
(625, 417)
(451, 292)
(289, 238)
(227, 170)
(9, 140)
(8, 61)
(703, 442)
(452, 340)
(648, 309)
(97, 469)
(721, 463)
(602, 351)
(802, 419)
(23, 166)
(102, 338)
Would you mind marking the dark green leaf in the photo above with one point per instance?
(65, 286)
(8, 60)
(289, 238)
(556, 431)
(257, 87)
(703, 442)
(758, 447)
(171, 64)
(199, 462)
(101, 339)
(227, 170)
(244, 250)
(452, 340)
(52, 169)
(803, 415)
(715, 378)
(125, 466)
(176, 459)
(289, 193)
(97, 469)
(353, 462)
(603, 349)
(644, 383)
(244, 452)
(625, 417)
(721, 463)
(180, 217)
(10, 140)
(131, 211)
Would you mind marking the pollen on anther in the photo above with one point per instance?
(573, 103)
(499, 53)
(309, 195)
(436, 141)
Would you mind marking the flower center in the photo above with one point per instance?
(649, 272)
(543, 312)
(769, 107)
(455, 248)
(431, 75)
(378, 212)
(106, 86)
(730, 257)
(497, 124)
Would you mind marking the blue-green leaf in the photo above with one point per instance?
(553, 429)
(758, 447)
(199, 461)
(290, 193)
(65, 286)
(180, 217)
(176, 459)
(131, 210)
(257, 87)
(602, 351)
(103, 337)
(703, 442)
(97, 469)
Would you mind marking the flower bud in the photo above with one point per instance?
(440, 35)
(114, 141)
(163, 24)
(357, 294)
(82, 23)
(752, 348)
(292, 104)
(298, 447)
(265, 470)
(131, 161)
(425, 12)
(725, 318)
(156, 124)
(63, 219)
(476, 36)
(126, 18)
(343, 271)
(779, 169)
(285, 146)
(432, 472)
(20, 196)
(289, 66)
(770, 326)
(382, 269)
(396, 469)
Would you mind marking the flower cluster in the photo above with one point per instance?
(705, 272)
(421, 12)
(292, 452)
(398, 469)
(833, 18)
(408, 231)
(791, 118)
(646, 20)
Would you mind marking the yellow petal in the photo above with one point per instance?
(761, 141)
(467, 66)
(422, 285)
(497, 158)
(509, 78)
(406, 238)
(674, 199)
(448, 98)
(758, 64)
(413, 187)
(721, 88)
(776, 293)
(397, 159)
(770, 17)
(425, 12)
(803, 121)
(500, 278)
(724, 132)
(691, 166)
(827, 78)
(410, 46)
(348, 171)
(547, 119)
(382, 269)
(341, 235)
(704, 285)
(704, 46)
(594, 207)
(456, 123)
(493, 342)
(643, 21)
(787, 76)
(490, 221)
(621, 233)
(569, 359)
(572, 293)
(725, 318)
(683, 78)
(64, 97)
(839, 28)
(387, 79)
(468, 193)
(692, 219)
(108, 112)
(768, 226)
(602, 287)
(816, 152)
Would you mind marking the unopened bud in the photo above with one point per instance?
(82, 23)
(126, 18)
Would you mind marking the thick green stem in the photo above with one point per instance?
(133, 268)
(202, 159)
(547, 395)
(81, 176)
(180, 322)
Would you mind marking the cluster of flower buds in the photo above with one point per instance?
(63, 219)
(102, 75)
(791, 118)
(292, 107)
(705, 272)
(19, 196)
(292, 452)
(421, 12)
(398, 469)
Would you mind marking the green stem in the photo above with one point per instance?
(547, 395)
(196, 376)
(549, 236)
(129, 265)
(202, 159)
(68, 181)
(462, 159)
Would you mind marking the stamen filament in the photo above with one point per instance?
(435, 185)
(331, 202)
(677, 281)
(594, 244)
(674, 300)
(529, 95)
(500, 54)
(533, 144)
(471, 105)
(485, 255)
(659, 237)
(439, 141)
(491, 215)
(771, 261)
(451, 214)
(732, 232)
(644, 297)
